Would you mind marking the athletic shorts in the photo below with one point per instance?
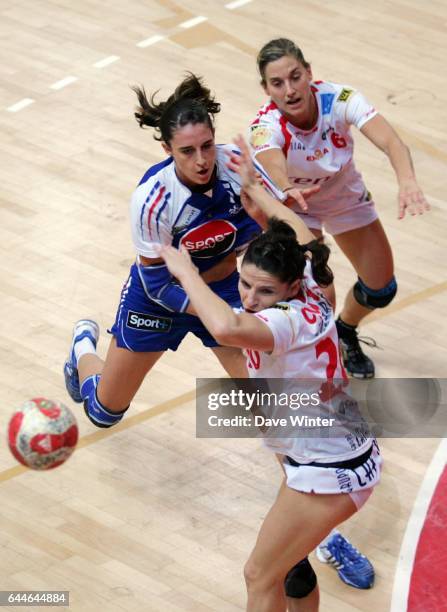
(352, 476)
(346, 216)
(142, 325)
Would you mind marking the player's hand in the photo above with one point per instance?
(243, 164)
(411, 199)
(178, 262)
(299, 196)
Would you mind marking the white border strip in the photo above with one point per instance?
(15, 108)
(106, 61)
(150, 41)
(236, 4)
(63, 82)
(193, 22)
(401, 588)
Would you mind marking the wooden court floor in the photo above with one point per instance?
(146, 517)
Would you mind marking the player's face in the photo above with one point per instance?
(287, 82)
(194, 152)
(259, 289)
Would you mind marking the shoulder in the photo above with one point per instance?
(332, 96)
(268, 113)
(159, 186)
(279, 314)
(159, 171)
(223, 172)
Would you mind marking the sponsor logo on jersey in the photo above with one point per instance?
(318, 154)
(259, 136)
(344, 95)
(187, 216)
(324, 133)
(327, 100)
(145, 322)
(210, 239)
(282, 306)
(234, 210)
(297, 146)
(310, 181)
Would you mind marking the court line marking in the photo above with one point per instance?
(101, 434)
(193, 22)
(63, 82)
(405, 302)
(18, 106)
(147, 42)
(407, 554)
(236, 4)
(189, 396)
(106, 61)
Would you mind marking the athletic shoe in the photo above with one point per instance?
(355, 361)
(352, 567)
(84, 328)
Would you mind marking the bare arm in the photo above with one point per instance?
(383, 135)
(260, 204)
(275, 164)
(228, 328)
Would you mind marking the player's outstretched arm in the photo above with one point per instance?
(259, 201)
(383, 135)
(227, 327)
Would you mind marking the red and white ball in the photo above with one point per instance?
(42, 434)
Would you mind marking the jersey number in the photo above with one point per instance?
(328, 347)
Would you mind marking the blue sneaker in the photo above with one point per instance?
(85, 328)
(352, 567)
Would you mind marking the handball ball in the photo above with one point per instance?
(42, 434)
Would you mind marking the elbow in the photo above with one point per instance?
(224, 333)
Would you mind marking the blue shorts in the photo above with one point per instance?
(142, 325)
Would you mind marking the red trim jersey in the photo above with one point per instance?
(323, 155)
(306, 347)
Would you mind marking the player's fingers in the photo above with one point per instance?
(401, 208)
(310, 190)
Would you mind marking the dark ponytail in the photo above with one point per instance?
(191, 102)
(320, 254)
(278, 252)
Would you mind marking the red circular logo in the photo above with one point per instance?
(210, 239)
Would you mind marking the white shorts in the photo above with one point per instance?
(354, 476)
(349, 215)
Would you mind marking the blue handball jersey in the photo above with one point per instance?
(165, 211)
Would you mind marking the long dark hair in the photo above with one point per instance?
(191, 102)
(278, 252)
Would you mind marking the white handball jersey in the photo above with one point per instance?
(323, 155)
(306, 347)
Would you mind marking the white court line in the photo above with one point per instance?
(436, 202)
(15, 108)
(150, 41)
(401, 588)
(63, 82)
(193, 22)
(106, 61)
(236, 4)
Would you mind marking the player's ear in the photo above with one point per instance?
(166, 148)
(294, 288)
(309, 72)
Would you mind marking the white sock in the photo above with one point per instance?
(84, 347)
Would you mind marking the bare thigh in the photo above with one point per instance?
(294, 526)
(122, 374)
(369, 251)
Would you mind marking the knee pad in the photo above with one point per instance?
(98, 414)
(301, 580)
(374, 298)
